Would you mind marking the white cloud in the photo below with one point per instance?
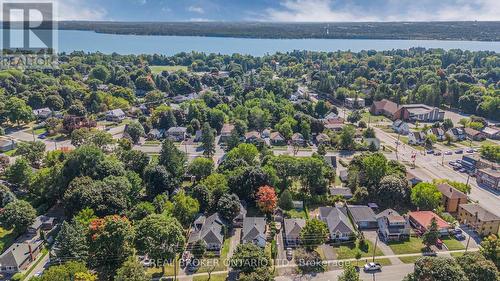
(391, 10)
(78, 10)
(196, 9)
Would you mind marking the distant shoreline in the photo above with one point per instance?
(449, 31)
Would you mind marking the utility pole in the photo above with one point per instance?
(467, 246)
(397, 145)
(374, 248)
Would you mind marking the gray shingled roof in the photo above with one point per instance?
(336, 220)
(252, 228)
(293, 227)
(210, 232)
(362, 213)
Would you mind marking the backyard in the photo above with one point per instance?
(6, 239)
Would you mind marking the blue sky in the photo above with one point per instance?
(279, 10)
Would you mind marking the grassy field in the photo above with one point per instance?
(214, 277)
(296, 214)
(221, 263)
(349, 251)
(170, 68)
(368, 117)
(414, 245)
(6, 239)
(453, 244)
(411, 259)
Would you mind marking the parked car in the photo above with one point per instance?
(462, 170)
(457, 167)
(289, 254)
(457, 231)
(460, 151)
(439, 243)
(430, 151)
(372, 266)
(429, 254)
(469, 151)
(437, 153)
(459, 236)
(452, 163)
(42, 136)
(448, 153)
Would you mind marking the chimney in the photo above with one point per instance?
(31, 252)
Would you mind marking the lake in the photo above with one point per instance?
(89, 41)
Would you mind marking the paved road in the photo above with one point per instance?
(372, 236)
(388, 273)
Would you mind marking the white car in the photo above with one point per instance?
(371, 266)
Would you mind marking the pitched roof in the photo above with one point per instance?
(293, 227)
(392, 216)
(177, 130)
(276, 136)
(424, 219)
(342, 191)
(115, 112)
(227, 129)
(336, 220)
(361, 213)
(322, 137)
(386, 105)
(252, 134)
(451, 192)
(17, 253)
(253, 227)
(472, 132)
(297, 137)
(482, 214)
(211, 230)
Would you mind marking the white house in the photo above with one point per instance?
(401, 127)
(115, 115)
(416, 138)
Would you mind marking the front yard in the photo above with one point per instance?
(414, 245)
(216, 263)
(213, 277)
(349, 251)
(453, 244)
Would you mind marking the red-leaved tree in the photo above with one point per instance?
(267, 199)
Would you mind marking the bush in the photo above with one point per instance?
(308, 261)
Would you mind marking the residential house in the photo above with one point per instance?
(238, 220)
(488, 177)
(354, 102)
(438, 132)
(331, 161)
(7, 144)
(209, 229)
(451, 198)
(254, 231)
(392, 226)
(252, 137)
(339, 225)
(474, 135)
(331, 117)
(266, 133)
(323, 139)
(115, 115)
(291, 232)
(344, 192)
(298, 139)
(336, 127)
(363, 216)
(384, 107)
(42, 222)
(154, 134)
(422, 220)
(478, 218)
(416, 138)
(42, 113)
(343, 175)
(456, 134)
(277, 139)
(491, 133)
(19, 256)
(176, 133)
(401, 127)
(225, 132)
(419, 112)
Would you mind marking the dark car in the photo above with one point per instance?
(42, 136)
(460, 151)
(459, 236)
(429, 254)
(430, 151)
(437, 153)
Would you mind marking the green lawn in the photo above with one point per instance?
(453, 244)
(40, 131)
(296, 214)
(368, 117)
(155, 272)
(349, 251)
(411, 259)
(10, 152)
(222, 260)
(414, 245)
(214, 277)
(171, 68)
(6, 239)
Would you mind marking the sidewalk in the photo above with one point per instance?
(372, 237)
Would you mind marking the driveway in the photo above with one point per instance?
(235, 240)
(372, 236)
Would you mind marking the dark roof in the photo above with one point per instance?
(211, 230)
(362, 213)
(451, 192)
(293, 227)
(253, 227)
(342, 191)
(482, 213)
(336, 220)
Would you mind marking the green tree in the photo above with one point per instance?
(260, 274)
(476, 267)
(490, 247)
(349, 274)
(185, 208)
(71, 241)
(248, 258)
(208, 140)
(6, 196)
(135, 131)
(33, 151)
(314, 233)
(100, 72)
(201, 167)
(393, 191)
(431, 236)
(199, 249)
(347, 137)
(173, 159)
(437, 268)
(131, 270)
(17, 111)
(160, 237)
(71, 270)
(17, 215)
(19, 173)
(286, 201)
(228, 206)
(425, 196)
